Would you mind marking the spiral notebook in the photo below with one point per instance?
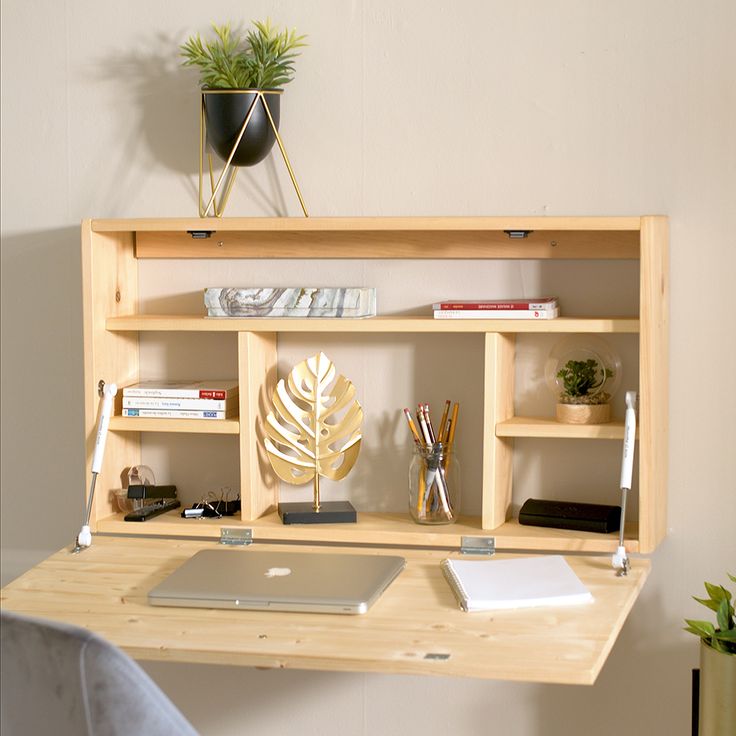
(484, 585)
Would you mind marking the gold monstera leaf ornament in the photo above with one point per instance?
(314, 428)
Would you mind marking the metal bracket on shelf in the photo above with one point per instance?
(478, 545)
(518, 234)
(236, 536)
(200, 234)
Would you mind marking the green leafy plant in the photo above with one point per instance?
(722, 638)
(263, 59)
(582, 377)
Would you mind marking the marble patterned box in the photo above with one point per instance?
(297, 301)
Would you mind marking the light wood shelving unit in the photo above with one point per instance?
(416, 626)
(112, 325)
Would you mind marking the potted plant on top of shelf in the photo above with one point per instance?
(717, 706)
(242, 80)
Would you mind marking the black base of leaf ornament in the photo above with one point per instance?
(330, 512)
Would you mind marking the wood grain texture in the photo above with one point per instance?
(257, 379)
(387, 529)
(498, 406)
(186, 426)
(367, 224)
(110, 287)
(653, 409)
(416, 620)
(549, 427)
(195, 323)
(420, 244)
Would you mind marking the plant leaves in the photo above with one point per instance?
(264, 59)
(708, 603)
(304, 434)
(723, 614)
(717, 592)
(703, 629)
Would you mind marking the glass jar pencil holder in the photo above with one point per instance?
(434, 485)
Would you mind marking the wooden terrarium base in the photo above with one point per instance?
(583, 413)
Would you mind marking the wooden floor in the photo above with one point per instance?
(414, 628)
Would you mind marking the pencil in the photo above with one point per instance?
(453, 425)
(412, 427)
(423, 427)
(428, 419)
(443, 421)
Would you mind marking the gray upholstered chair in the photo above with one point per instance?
(59, 679)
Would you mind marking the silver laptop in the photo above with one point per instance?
(265, 580)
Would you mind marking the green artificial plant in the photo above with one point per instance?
(722, 638)
(262, 59)
(580, 378)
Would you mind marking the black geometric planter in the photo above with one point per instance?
(240, 126)
(225, 114)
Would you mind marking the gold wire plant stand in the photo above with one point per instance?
(226, 179)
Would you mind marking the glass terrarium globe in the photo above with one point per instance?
(584, 373)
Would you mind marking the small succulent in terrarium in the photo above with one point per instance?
(583, 382)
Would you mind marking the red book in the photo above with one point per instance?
(183, 389)
(547, 302)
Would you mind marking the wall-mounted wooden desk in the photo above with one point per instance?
(415, 628)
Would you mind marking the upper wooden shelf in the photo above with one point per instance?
(193, 323)
(357, 224)
(382, 237)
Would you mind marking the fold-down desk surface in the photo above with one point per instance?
(414, 628)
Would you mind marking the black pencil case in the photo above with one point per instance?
(582, 517)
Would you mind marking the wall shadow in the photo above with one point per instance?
(167, 118)
(42, 438)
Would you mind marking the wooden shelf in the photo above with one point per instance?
(414, 628)
(189, 426)
(390, 529)
(368, 224)
(546, 427)
(193, 323)
(391, 237)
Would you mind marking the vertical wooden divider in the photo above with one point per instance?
(498, 405)
(653, 381)
(257, 356)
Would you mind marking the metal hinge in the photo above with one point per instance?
(518, 234)
(236, 536)
(478, 545)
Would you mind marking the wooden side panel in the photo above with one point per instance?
(257, 380)
(110, 288)
(498, 398)
(653, 382)
(379, 243)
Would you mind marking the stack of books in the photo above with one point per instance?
(541, 308)
(181, 399)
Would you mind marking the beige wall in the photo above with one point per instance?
(526, 107)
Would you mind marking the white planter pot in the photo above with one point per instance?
(717, 693)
